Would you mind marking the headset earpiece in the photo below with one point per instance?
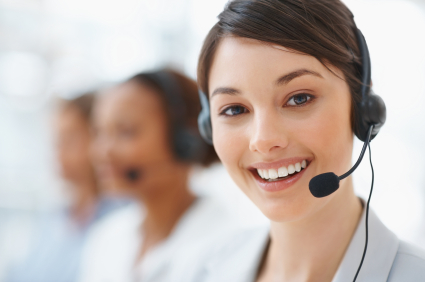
(187, 144)
(204, 119)
(371, 109)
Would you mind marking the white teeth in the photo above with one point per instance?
(272, 173)
(291, 169)
(260, 173)
(297, 167)
(282, 172)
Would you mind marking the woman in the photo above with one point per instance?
(146, 142)
(284, 83)
(57, 245)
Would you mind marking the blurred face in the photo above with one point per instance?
(73, 145)
(279, 118)
(131, 147)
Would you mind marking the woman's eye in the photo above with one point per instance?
(234, 111)
(298, 100)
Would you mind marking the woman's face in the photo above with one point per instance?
(131, 148)
(73, 145)
(279, 118)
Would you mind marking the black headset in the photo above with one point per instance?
(186, 142)
(369, 111)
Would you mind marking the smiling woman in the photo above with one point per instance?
(283, 84)
(279, 118)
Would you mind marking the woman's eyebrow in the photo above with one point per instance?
(285, 79)
(225, 90)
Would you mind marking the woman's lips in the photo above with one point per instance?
(280, 183)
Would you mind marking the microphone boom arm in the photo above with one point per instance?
(369, 134)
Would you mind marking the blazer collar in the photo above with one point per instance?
(381, 251)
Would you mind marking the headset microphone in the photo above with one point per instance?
(324, 184)
(133, 174)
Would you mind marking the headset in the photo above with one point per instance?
(370, 114)
(186, 142)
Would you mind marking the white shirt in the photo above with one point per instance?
(237, 260)
(113, 246)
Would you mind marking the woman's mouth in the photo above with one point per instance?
(280, 177)
(281, 173)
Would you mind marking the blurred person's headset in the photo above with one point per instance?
(370, 114)
(187, 144)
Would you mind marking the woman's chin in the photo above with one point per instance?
(284, 212)
(290, 208)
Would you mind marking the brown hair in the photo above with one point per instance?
(323, 29)
(188, 90)
(83, 103)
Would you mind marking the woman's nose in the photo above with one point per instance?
(103, 147)
(267, 133)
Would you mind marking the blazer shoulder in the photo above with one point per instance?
(411, 250)
(409, 264)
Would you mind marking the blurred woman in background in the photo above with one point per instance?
(56, 249)
(146, 143)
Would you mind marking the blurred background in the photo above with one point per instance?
(61, 48)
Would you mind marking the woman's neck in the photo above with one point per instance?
(164, 209)
(312, 249)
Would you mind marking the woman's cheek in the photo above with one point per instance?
(332, 137)
(221, 141)
(229, 145)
